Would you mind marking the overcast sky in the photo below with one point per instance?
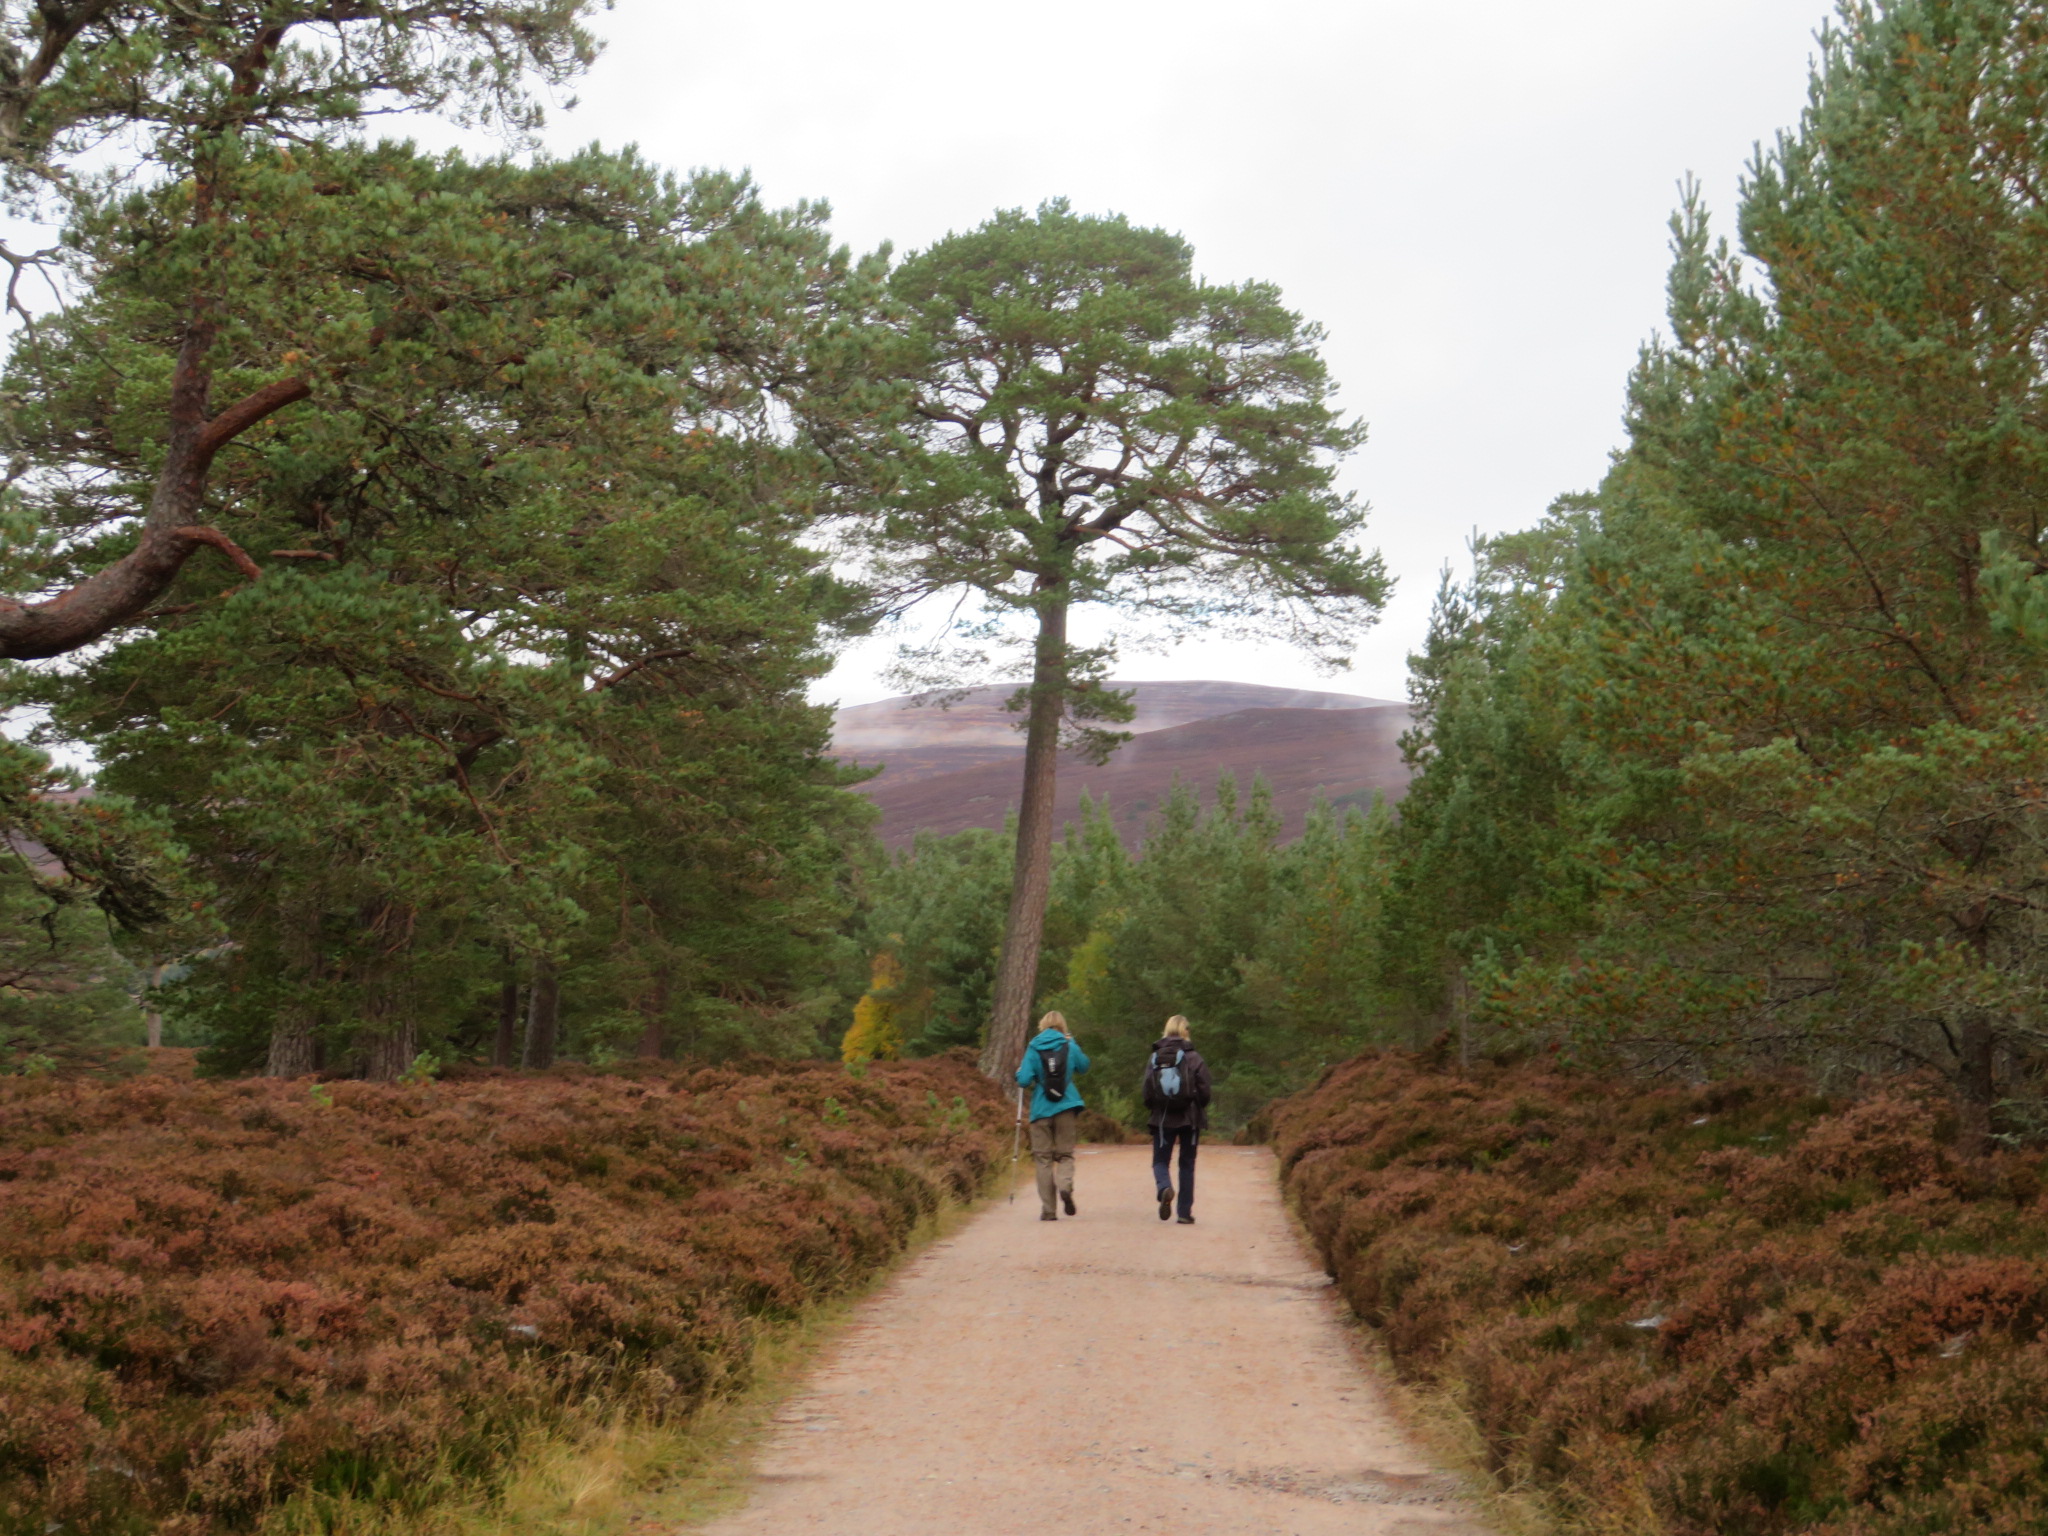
(1470, 198)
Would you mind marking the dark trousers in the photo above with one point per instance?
(1162, 1154)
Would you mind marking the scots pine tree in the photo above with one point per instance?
(522, 671)
(202, 106)
(1759, 781)
(1091, 423)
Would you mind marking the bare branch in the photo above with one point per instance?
(245, 413)
(615, 678)
(226, 545)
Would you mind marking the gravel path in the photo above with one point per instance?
(1108, 1374)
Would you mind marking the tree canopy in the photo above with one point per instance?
(205, 106)
(1090, 422)
(529, 636)
(1738, 759)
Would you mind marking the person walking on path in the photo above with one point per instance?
(1177, 1093)
(1051, 1063)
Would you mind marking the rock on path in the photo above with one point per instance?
(1101, 1375)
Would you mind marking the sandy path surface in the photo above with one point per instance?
(1109, 1373)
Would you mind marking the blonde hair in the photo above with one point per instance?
(1055, 1020)
(1177, 1027)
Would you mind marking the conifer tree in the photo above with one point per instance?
(937, 907)
(1755, 778)
(532, 637)
(1271, 948)
(208, 99)
(1094, 424)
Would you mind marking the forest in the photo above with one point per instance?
(430, 554)
(1732, 763)
(475, 726)
(419, 563)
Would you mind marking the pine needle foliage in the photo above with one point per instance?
(1087, 421)
(518, 682)
(1269, 948)
(1737, 762)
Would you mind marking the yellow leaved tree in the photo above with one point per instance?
(877, 1032)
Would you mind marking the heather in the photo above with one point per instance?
(219, 1297)
(1732, 1310)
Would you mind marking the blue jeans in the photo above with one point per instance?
(1162, 1154)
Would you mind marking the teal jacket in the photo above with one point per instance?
(1028, 1074)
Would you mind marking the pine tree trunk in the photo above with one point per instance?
(654, 1037)
(291, 1045)
(1016, 989)
(386, 1056)
(541, 1015)
(388, 1040)
(504, 1048)
(1976, 1044)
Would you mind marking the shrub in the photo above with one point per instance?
(1096, 1126)
(217, 1296)
(1731, 1311)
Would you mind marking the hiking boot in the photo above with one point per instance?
(1165, 1202)
(1067, 1199)
(1187, 1221)
(1048, 1216)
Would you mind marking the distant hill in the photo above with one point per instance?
(948, 769)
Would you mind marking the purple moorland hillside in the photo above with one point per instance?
(945, 770)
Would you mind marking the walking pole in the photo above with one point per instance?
(1016, 1145)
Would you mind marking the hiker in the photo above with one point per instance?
(1051, 1063)
(1176, 1091)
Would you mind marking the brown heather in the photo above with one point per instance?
(1735, 1311)
(216, 1297)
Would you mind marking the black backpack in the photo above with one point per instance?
(1052, 1071)
(1169, 1085)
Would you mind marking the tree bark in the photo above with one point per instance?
(654, 1036)
(541, 1015)
(1016, 989)
(504, 1048)
(294, 1049)
(386, 1056)
(1976, 1046)
(170, 533)
(390, 1038)
(291, 1045)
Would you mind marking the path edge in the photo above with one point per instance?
(730, 1433)
(628, 1478)
(1431, 1416)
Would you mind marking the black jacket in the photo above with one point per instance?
(1196, 1071)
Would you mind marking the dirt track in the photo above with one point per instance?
(1105, 1374)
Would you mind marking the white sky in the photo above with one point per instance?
(1471, 197)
